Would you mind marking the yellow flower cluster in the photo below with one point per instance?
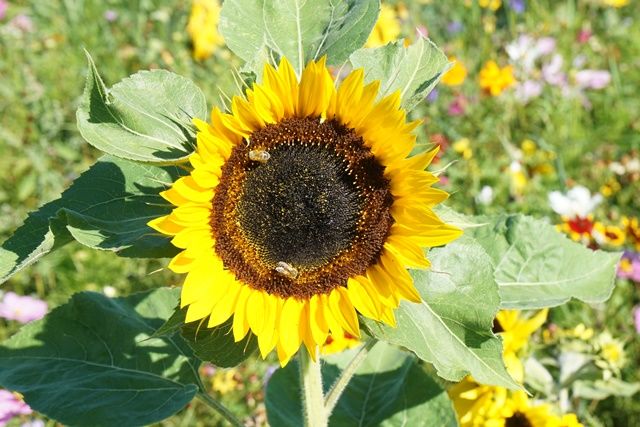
(387, 28)
(494, 79)
(480, 405)
(596, 233)
(203, 28)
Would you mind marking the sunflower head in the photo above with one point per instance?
(303, 209)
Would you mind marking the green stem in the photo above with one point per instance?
(341, 383)
(221, 409)
(315, 413)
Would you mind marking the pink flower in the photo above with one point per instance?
(584, 35)
(23, 309)
(11, 406)
(593, 79)
(458, 106)
(4, 5)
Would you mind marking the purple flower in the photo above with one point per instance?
(552, 71)
(4, 5)
(11, 406)
(528, 90)
(23, 309)
(636, 318)
(33, 423)
(454, 27)
(518, 6)
(629, 267)
(111, 15)
(593, 79)
(545, 45)
(433, 95)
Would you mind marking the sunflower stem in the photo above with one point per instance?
(315, 414)
(341, 383)
(221, 409)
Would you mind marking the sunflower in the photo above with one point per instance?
(518, 411)
(338, 343)
(516, 330)
(302, 210)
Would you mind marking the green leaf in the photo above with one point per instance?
(217, 345)
(452, 327)
(92, 361)
(389, 389)
(413, 70)
(107, 207)
(145, 117)
(298, 30)
(536, 266)
(600, 389)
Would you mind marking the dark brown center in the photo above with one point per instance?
(300, 208)
(518, 419)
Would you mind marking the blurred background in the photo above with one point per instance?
(540, 114)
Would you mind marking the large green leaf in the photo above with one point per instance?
(413, 70)
(92, 362)
(107, 207)
(215, 345)
(536, 266)
(296, 29)
(389, 389)
(452, 327)
(145, 117)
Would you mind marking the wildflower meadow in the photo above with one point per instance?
(321, 213)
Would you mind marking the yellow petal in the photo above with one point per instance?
(240, 323)
(289, 327)
(317, 322)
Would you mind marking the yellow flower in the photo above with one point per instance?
(387, 28)
(494, 79)
(518, 411)
(203, 28)
(519, 179)
(463, 146)
(611, 351)
(473, 402)
(302, 210)
(456, 74)
(223, 381)
(567, 420)
(632, 229)
(490, 4)
(615, 3)
(582, 332)
(528, 147)
(515, 330)
(338, 343)
(608, 234)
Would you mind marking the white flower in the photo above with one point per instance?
(576, 203)
(485, 197)
(110, 291)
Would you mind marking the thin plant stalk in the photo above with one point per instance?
(343, 380)
(221, 409)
